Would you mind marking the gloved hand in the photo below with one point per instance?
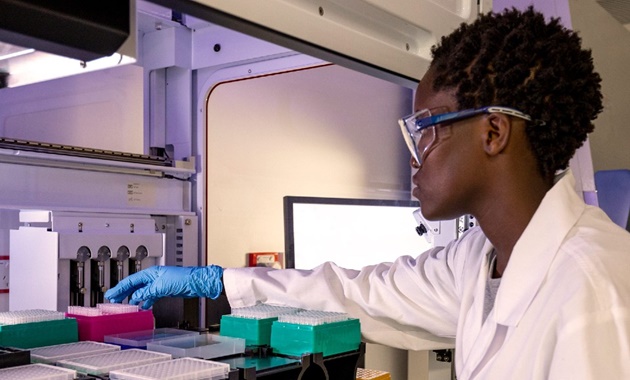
(156, 282)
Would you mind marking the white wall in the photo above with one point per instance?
(551, 8)
(101, 109)
(610, 45)
(325, 131)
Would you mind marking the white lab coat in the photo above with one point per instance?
(562, 310)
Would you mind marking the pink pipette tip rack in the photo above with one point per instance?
(108, 319)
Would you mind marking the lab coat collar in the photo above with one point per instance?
(535, 250)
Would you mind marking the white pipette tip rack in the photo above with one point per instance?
(29, 316)
(103, 309)
(313, 317)
(262, 311)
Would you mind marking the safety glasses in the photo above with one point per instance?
(419, 128)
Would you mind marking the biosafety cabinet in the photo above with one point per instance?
(174, 141)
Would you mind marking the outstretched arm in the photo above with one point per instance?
(157, 282)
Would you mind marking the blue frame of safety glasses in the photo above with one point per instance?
(452, 117)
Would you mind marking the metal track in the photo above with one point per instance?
(69, 150)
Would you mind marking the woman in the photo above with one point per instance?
(541, 289)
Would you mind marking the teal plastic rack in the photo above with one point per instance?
(330, 338)
(39, 334)
(256, 332)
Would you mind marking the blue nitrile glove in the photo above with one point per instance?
(157, 282)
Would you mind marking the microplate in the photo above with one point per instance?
(102, 364)
(177, 369)
(206, 346)
(37, 372)
(53, 354)
(139, 339)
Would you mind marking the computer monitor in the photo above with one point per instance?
(352, 233)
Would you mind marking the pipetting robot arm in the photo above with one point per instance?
(157, 282)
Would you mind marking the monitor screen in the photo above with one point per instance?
(352, 233)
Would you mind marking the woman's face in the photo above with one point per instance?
(446, 182)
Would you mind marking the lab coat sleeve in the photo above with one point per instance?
(412, 303)
(593, 328)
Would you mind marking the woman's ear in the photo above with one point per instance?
(497, 133)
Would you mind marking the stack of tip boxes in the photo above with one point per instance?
(36, 328)
(293, 331)
(109, 318)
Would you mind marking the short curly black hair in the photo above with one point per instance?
(517, 59)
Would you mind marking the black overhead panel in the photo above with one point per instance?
(83, 30)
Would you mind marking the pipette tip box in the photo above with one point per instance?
(53, 354)
(256, 332)
(372, 374)
(253, 323)
(182, 368)
(296, 336)
(37, 372)
(101, 365)
(94, 328)
(205, 346)
(38, 334)
(139, 339)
